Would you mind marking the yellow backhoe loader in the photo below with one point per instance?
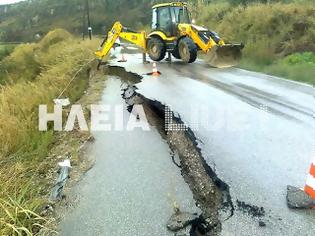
(173, 32)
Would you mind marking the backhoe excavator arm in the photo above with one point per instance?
(118, 31)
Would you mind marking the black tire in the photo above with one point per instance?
(187, 50)
(156, 49)
(175, 53)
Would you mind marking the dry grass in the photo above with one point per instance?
(45, 69)
(28, 60)
(18, 214)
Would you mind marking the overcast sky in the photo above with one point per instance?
(9, 1)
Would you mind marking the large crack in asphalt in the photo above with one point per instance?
(210, 192)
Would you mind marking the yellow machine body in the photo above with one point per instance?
(173, 32)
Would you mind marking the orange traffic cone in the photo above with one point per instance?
(309, 188)
(123, 59)
(155, 71)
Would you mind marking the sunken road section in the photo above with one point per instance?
(210, 193)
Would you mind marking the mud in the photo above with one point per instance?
(180, 220)
(254, 211)
(210, 193)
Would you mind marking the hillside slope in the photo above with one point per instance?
(36, 75)
(279, 37)
(25, 20)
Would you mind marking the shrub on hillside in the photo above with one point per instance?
(28, 60)
(5, 50)
(53, 37)
(299, 58)
(268, 30)
(20, 64)
(303, 72)
(22, 146)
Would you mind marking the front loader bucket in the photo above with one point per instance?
(227, 55)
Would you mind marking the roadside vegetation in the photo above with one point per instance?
(33, 74)
(272, 30)
(5, 50)
(40, 16)
(279, 37)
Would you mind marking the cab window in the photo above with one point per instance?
(165, 20)
(154, 19)
(181, 15)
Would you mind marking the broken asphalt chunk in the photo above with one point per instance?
(298, 199)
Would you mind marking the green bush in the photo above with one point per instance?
(300, 58)
(279, 38)
(5, 50)
(269, 31)
(304, 72)
(298, 66)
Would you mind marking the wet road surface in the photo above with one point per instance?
(256, 131)
(132, 188)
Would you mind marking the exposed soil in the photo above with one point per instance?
(254, 211)
(206, 193)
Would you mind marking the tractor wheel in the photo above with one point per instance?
(175, 53)
(156, 49)
(187, 50)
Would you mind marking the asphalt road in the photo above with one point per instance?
(256, 131)
(133, 186)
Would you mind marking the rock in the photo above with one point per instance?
(37, 36)
(179, 220)
(297, 198)
(183, 232)
(47, 210)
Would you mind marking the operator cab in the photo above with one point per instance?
(166, 17)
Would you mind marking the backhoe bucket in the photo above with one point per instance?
(227, 55)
